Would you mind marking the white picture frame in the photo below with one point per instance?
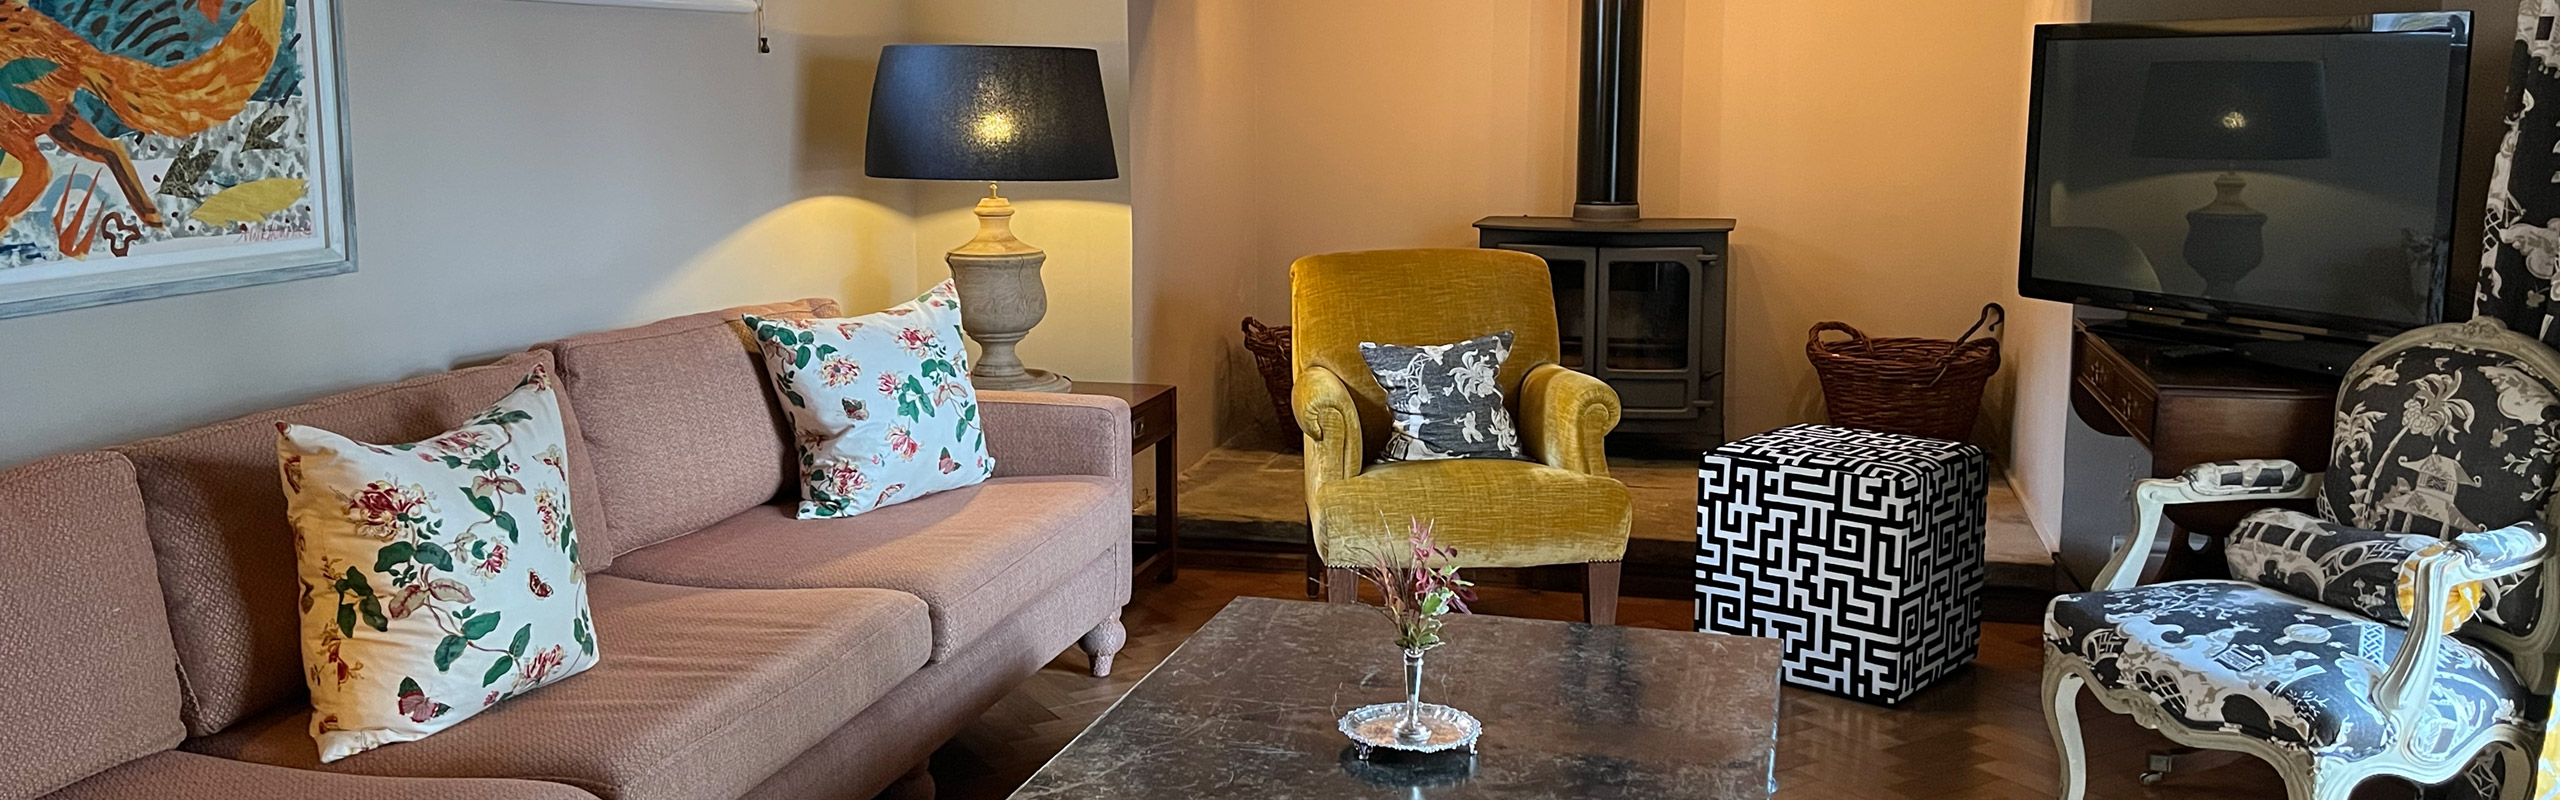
(317, 240)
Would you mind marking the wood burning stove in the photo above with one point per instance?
(1640, 302)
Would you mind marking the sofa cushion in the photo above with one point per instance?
(708, 692)
(439, 577)
(176, 774)
(217, 520)
(88, 655)
(677, 418)
(975, 554)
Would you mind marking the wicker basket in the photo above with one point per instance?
(1919, 386)
(1270, 349)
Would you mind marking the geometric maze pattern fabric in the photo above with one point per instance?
(1860, 551)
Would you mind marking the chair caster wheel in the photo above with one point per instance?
(2154, 778)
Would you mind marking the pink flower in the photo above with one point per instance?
(844, 479)
(381, 508)
(888, 384)
(902, 443)
(460, 441)
(916, 340)
(539, 668)
(838, 371)
(496, 562)
(546, 504)
(491, 700)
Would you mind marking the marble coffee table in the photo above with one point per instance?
(1246, 709)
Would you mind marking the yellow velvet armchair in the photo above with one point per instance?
(1558, 507)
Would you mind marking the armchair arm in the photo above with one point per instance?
(2220, 481)
(1565, 416)
(2436, 576)
(1334, 448)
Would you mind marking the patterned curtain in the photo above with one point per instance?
(2520, 247)
(2520, 251)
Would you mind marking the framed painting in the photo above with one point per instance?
(162, 147)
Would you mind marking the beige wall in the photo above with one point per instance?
(530, 170)
(1873, 163)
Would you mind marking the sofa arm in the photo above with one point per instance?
(1565, 416)
(1040, 433)
(1334, 445)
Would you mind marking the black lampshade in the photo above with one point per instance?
(989, 113)
(2234, 110)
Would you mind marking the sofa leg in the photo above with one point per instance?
(1102, 643)
(917, 784)
(1340, 586)
(1600, 592)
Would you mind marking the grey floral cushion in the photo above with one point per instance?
(2234, 657)
(1444, 398)
(2359, 570)
(2315, 559)
(2441, 439)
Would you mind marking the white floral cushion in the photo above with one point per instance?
(439, 577)
(881, 404)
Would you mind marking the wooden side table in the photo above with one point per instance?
(1151, 424)
(2187, 411)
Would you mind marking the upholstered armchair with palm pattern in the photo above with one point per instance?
(2407, 629)
(1557, 507)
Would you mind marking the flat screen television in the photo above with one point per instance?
(2277, 176)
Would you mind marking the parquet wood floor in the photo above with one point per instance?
(1980, 734)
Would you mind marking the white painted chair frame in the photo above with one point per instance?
(2412, 669)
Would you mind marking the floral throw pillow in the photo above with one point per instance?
(881, 404)
(438, 577)
(1444, 399)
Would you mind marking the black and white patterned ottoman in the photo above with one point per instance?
(1861, 551)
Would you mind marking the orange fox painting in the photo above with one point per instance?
(153, 147)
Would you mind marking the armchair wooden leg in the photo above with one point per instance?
(1340, 586)
(2062, 720)
(1315, 569)
(1600, 592)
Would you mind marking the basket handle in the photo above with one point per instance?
(1813, 338)
(1992, 315)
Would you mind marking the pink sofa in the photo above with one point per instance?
(745, 653)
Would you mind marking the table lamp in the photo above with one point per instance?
(992, 113)
(2231, 111)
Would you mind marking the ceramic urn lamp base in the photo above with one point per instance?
(1001, 299)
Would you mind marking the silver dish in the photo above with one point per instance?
(1373, 727)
